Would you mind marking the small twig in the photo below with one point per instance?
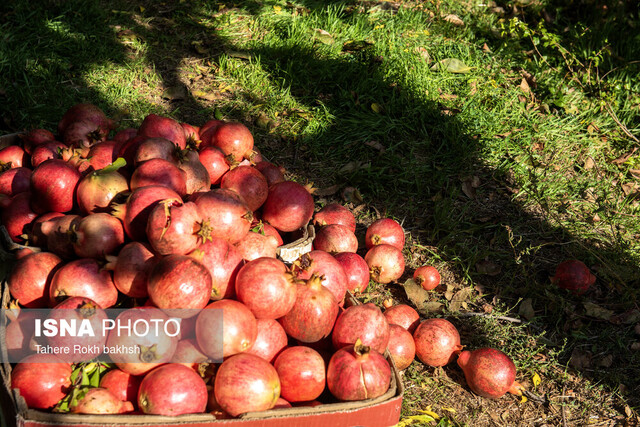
(622, 126)
(508, 319)
(564, 412)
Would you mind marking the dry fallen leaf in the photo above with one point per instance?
(416, 293)
(487, 267)
(468, 189)
(327, 191)
(454, 19)
(524, 86)
(606, 361)
(580, 359)
(589, 163)
(526, 309)
(375, 145)
(460, 298)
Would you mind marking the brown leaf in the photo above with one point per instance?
(624, 157)
(635, 173)
(594, 310)
(606, 361)
(487, 267)
(524, 86)
(354, 166)
(327, 191)
(628, 188)
(468, 188)
(460, 298)
(474, 88)
(526, 309)
(416, 293)
(580, 359)
(454, 19)
(486, 48)
(589, 163)
(424, 54)
(375, 145)
(352, 194)
(175, 93)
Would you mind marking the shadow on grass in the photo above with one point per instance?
(428, 154)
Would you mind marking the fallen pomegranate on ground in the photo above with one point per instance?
(489, 372)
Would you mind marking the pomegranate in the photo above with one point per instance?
(47, 151)
(213, 159)
(138, 207)
(427, 277)
(271, 172)
(573, 275)
(233, 138)
(386, 263)
(238, 332)
(227, 214)
(42, 380)
(124, 386)
(335, 238)
(102, 154)
(385, 231)
(179, 282)
(289, 206)
(270, 340)
(223, 262)
(97, 235)
(53, 186)
(41, 227)
(281, 403)
(84, 278)
(159, 172)
(302, 373)
(98, 401)
(124, 135)
(19, 336)
(256, 245)
(437, 342)
(266, 287)
(163, 127)
(84, 133)
(81, 112)
(188, 353)
(13, 156)
(334, 213)
(489, 372)
(16, 215)
(263, 228)
(131, 269)
(313, 314)
(154, 148)
(356, 269)
(79, 310)
(403, 315)
(30, 279)
(209, 126)
(154, 347)
(97, 189)
(322, 264)
(401, 346)
(172, 389)
(246, 383)
(35, 137)
(197, 175)
(59, 235)
(175, 227)
(14, 181)
(358, 373)
(192, 133)
(249, 183)
(363, 322)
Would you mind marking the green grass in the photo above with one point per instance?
(487, 173)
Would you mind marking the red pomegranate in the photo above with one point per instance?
(97, 189)
(30, 279)
(270, 341)
(356, 269)
(289, 206)
(124, 386)
(215, 162)
(271, 172)
(59, 235)
(98, 401)
(97, 235)
(223, 261)
(79, 112)
(249, 183)
(155, 126)
(335, 238)
(321, 263)
(573, 275)
(138, 207)
(489, 372)
(154, 148)
(334, 213)
(363, 322)
(257, 245)
(189, 354)
(401, 346)
(197, 175)
(42, 380)
(226, 213)
(35, 137)
(53, 186)
(233, 138)
(437, 342)
(131, 269)
(302, 373)
(385, 231)
(386, 263)
(175, 227)
(16, 215)
(159, 172)
(172, 389)
(427, 276)
(238, 332)
(14, 181)
(403, 315)
(102, 154)
(83, 278)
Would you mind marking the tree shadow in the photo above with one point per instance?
(416, 158)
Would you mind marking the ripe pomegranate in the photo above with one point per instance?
(47, 151)
(263, 228)
(154, 126)
(138, 207)
(313, 314)
(16, 215)
(79, 310)
(197, 175)
(175, 227)
(573, 275)
(227, 214)
(489, 372)
(386, 263)
(270, 341)
(356, 269)
(154, 347)
(99, 401)
(124, 386)
(59, 235)
(35, 137)
(321, 263)
(358, 373)
(19, 336)
(363, 322)
(124, 135)
(335, 238)
(154, 148)
(401, 346)
(131, 269)
(271, 172)
(192, 133)
(102, 154)
(172, 389)
(238, 332)
(233, 138)
(179, 282)
(427, 277)
(245, 383)
(159, 172)
(215, 162)
(14, 181)
(256, 245)
(385, 231)
(437, 342)
(30, 279)
(403, 315)
(249, 183)
(41, 227)
(97, 235)
(334, 213)
(13, 156)
(223, 261)
(188, 353)
(97, 189)
(302, 373)
(83, 278)
(289, 206)
(79, 112)
(53, 186)
(209, 126)
(84, 133)
(42, 380)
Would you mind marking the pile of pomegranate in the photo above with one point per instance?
(172, 216)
